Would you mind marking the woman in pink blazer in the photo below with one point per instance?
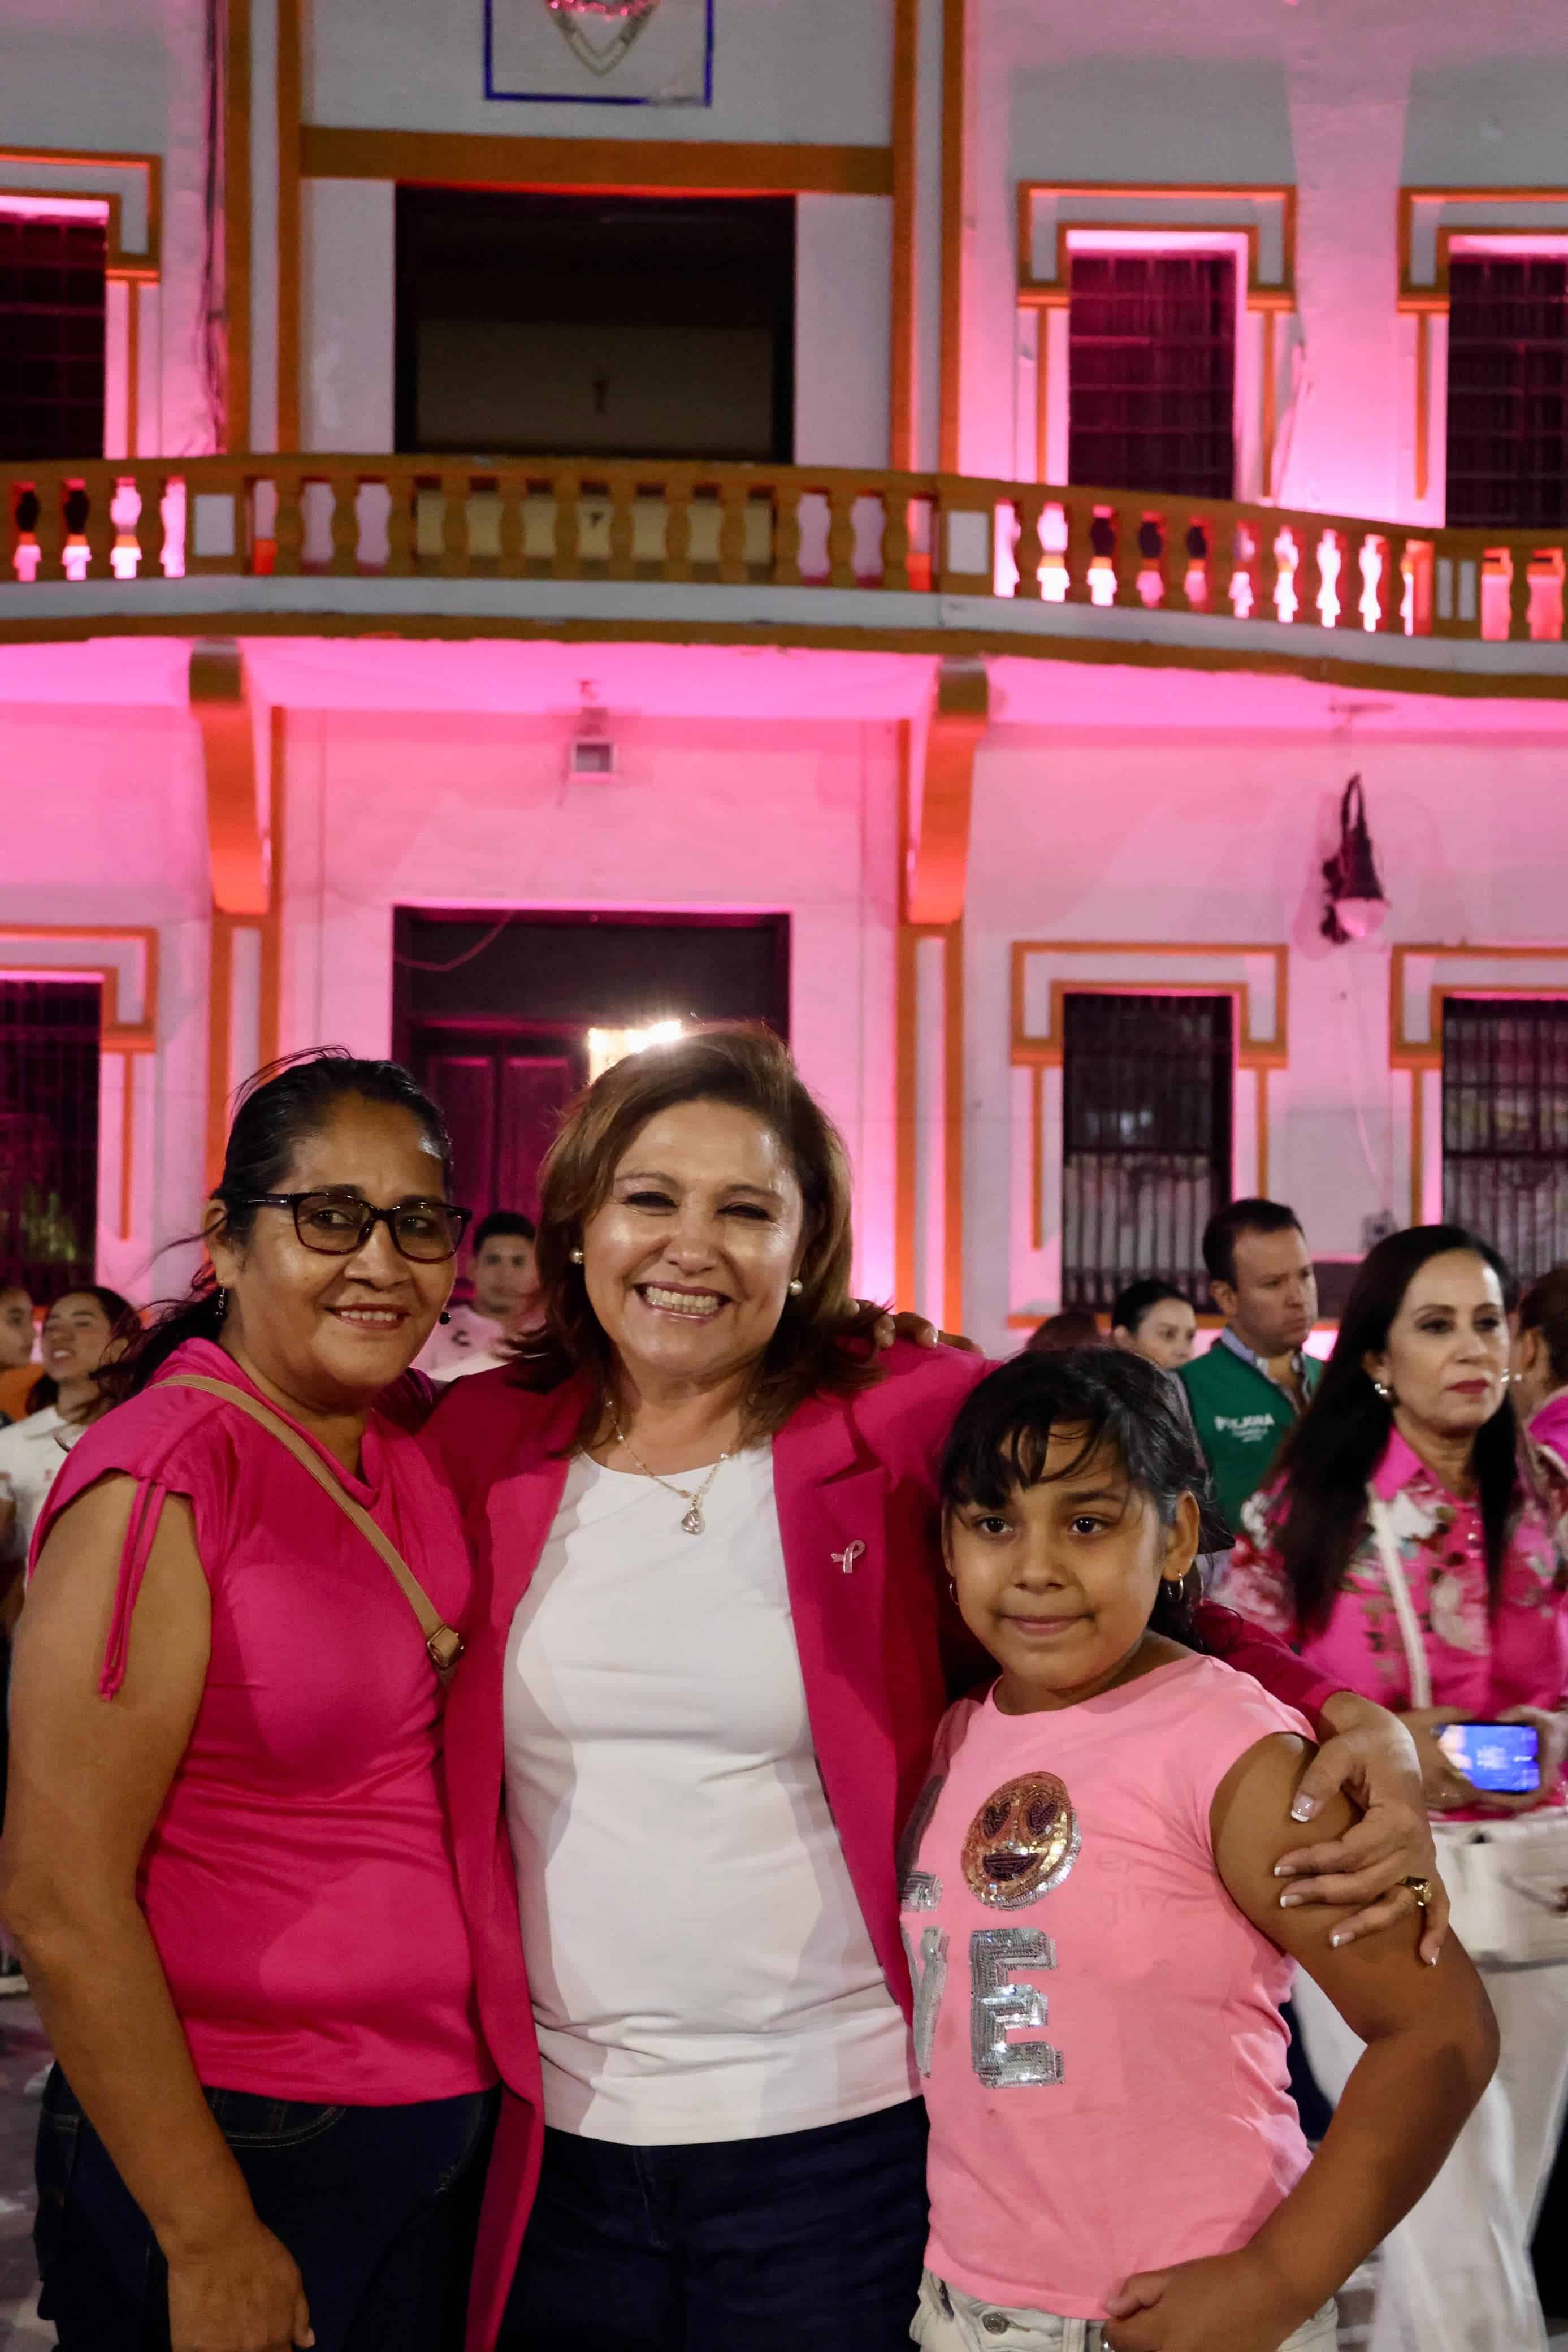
(713, 1644)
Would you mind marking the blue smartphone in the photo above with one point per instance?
(1504, 1758)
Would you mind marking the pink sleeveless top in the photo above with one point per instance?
(1097, 2023)
(298, 1884)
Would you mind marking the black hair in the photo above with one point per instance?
(1545, 1308)
(1074, 1327)
(1140, 1299)
(124, 1323)
(274, 1113)
(503, 1221)
(999, 1438)
(1339, 1440)
(1238, 1217)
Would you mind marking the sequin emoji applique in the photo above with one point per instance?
(1022, 1843)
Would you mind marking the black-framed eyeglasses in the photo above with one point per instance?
(336, 1224)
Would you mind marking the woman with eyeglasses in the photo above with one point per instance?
(225, 1859)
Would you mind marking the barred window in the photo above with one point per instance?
(49, 1133)
(51, 336)
(1147, 1090)
(1507, 393)
(1152, 373)
(1505, 1126)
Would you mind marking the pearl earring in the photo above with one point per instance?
(576, 1256)
(796, 1287)
(1385, 1393)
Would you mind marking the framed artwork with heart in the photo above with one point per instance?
(600, 52)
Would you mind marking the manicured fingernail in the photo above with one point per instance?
(1303, 1809)
(1431, 1959)
(1338, 1938)
(1287, 1902)
(1284, 1870)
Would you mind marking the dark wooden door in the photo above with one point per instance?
(503, 1105)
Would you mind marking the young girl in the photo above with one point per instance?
(1097, 1938)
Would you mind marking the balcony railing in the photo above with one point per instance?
(782, 527)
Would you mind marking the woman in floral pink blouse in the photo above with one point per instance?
(1413, 1415)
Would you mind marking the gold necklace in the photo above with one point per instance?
(693, 1523)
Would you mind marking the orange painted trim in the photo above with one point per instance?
(1276, 295)
(953, 1130)
(270, 1022)
(221, 708)
(134, 370)
(1261, 1074)
(126, 1145)
(941, 797)
(1407, 1053)
(1423, 401)
(1417, 1147)
(119, 263)
(1432, 296)
(117, 1034)
(220, 1002)
(492, 160)
(290, 98)
(1270, 363)
(906, 1138)
(1042, 396)
(1028, 1049)
(1037, 1158)
(901, 449)
(955, 159)
(236, 227)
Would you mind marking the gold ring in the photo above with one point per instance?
(1421, 1888)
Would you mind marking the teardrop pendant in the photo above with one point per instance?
(693, 1523)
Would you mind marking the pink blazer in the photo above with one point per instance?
(883, 1651)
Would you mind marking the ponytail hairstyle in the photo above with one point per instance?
(1001, 1436)
(1334, 1448)
(276, 1112)
(124, 1327)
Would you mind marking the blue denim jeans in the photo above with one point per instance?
(376, 2205)
(728, 2246)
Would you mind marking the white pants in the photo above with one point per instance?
(1456, 2274)
(948, 2320)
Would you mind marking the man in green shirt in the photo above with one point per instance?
(1253, 1383)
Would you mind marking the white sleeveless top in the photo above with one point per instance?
(700, 1967)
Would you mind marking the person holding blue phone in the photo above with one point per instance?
(1400, 1549)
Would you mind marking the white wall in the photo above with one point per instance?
(842, 330)
(1186, 833)
(814, 70)
(452, 808)
(347, 328)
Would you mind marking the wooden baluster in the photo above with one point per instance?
(787, 533)
(1166, 561)
(50, 527)
(1391, 590)
(345, 559)
(1517, 593)
(1265, 567)
(289, 521)
(455, 487)
(678, 527)
(143, 534)
(509, 530)
(895, 537)
(732, 495)
(1079, 551)
(622, 526)
(1128, 557)
(11, 533)
(1185, 534)
(841, 536)
(100, 530)
(1309, 571)
(567, 561)
(1029, 554)
(402, 489)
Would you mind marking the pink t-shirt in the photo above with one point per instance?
(1098, 2024)
(298, 1884)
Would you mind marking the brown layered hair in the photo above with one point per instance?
(1545, 1308)
(822, 1343)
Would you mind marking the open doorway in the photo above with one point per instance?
(493, 1013)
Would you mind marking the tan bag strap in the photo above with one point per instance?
(443, 1642)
